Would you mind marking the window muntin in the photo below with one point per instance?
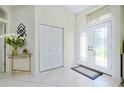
(99, 15)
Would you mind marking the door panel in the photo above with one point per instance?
(95, 47)
(102, 47)
(46, 58)
(90, 49)
(58, 47)
(51, 47)
(83, 46)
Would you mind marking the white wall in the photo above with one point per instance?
(116, 34)
(31, 16)
(57, 16)
(24, 14)
(116, 40)
(122, 26)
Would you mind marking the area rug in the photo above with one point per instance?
(88, 72)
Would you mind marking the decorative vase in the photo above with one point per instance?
(15, 52)
(25, 52)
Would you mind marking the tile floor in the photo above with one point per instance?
(61, 77)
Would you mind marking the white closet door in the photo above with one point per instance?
(51, 47)
(58, 47)
(46, 40)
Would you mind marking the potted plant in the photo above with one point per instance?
(15, 41)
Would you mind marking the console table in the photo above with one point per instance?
(19, 56)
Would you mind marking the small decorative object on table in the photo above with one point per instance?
(25, 52)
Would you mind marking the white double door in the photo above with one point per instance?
(94, 49)
(51, 47)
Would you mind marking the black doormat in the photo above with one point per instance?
(88, 72)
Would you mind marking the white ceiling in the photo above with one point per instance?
(76, 9)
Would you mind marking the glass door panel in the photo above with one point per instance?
(83, 46)
(100, 46)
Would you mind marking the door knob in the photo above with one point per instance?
(92, 50)
(88, 49)
(91, 46)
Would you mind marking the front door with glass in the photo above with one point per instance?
(95, 47)
(102, 47)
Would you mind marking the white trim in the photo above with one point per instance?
(100, 22)
(3, 20)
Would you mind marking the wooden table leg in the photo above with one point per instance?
(12, 64)
(30, 63)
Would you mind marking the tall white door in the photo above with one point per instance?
(45, 42)
(58, 47)
(83, 41)
(51, 47)
(95, 47)
(102, 47)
